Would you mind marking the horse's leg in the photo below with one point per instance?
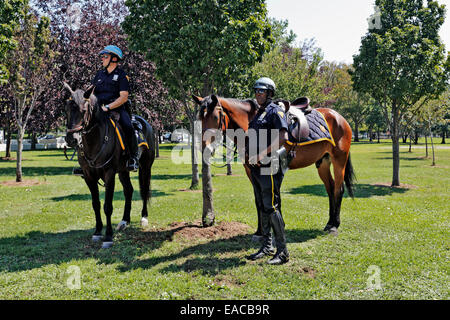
(93, 188)
(323, 168)
(339, 172)
(108, 208)
(145, 175)
(124, 177)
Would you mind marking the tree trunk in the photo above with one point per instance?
(20, 135)
(410, 143)
(8, 142)
(432, 144)
(208, 215)
(426, 146)
(157, 143)
(356, 132)
(194, 158)
(33, 140)
(444, 132)
(395, 147)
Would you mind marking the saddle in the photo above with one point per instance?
(298, 127)
(138, 129)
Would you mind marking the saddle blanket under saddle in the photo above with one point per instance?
(137, 129)
(318, 130)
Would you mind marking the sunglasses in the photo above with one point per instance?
(260, 90)
(104, 56)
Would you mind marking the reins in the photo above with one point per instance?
(82, 125)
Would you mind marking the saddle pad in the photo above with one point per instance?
(141, 139)
(318, 130)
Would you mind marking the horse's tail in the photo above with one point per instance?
(349, 177)
(147, 159)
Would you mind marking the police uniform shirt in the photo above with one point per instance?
(108, 85)
(272, 117)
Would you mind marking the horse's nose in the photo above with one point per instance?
(71, 142)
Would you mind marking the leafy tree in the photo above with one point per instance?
(200, 47)
(375, 119)
(29, 67)
(401, 61)
(11, 11)
(83, 29)
(353, 105)
(295, 72)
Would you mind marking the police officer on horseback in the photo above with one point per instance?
(112, 89)
(267, 178)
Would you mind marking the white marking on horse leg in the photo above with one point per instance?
(122, 225)
(144, 222)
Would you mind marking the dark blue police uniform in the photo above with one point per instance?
(107, 90)
(267, 179)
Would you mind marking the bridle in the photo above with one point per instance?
(224, 121)
(85, 120)
(81, 126)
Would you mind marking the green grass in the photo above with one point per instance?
(47, 228)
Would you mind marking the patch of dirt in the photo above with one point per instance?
(402, 185)
(310, 272)
(24, 183)
(223, 230)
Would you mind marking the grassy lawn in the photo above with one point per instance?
(393, 243)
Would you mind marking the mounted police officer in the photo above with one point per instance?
(112, 89)
(266, 177)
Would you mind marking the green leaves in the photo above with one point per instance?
(199, 46)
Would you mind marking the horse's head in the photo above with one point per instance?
(79, 110)
(214, 119)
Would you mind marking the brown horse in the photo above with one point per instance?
(218, 113)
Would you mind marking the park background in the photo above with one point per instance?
(393, 241)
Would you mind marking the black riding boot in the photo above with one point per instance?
(266, 248)
(282, 255)
(133, 162)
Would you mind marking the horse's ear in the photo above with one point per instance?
(198, 100)
(88, 92)
(68, 87)
(215, 100)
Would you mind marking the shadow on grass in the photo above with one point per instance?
(38, 249)
(118, 195)
(37, 171)
(360, 190)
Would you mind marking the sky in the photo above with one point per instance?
(337, 25)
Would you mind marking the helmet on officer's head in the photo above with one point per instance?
(112, 50)
(265, 83)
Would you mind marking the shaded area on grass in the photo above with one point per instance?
(360, 190)
(37, 249)
(118, 195)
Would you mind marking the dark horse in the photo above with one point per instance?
(101, 155)
(224, 113)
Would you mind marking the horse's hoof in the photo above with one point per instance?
(333, 231)
(96, 238)
(122, 225)
(107, 244)
(144, 222)
(327, 227)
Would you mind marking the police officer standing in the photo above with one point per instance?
(267, 178)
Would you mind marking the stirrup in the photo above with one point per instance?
(132, 165)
